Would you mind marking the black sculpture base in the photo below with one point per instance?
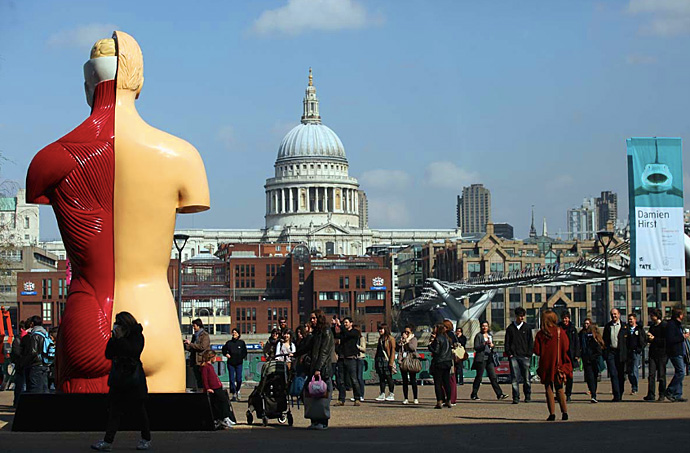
(89, 412)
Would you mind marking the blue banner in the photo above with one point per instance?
(655, 195)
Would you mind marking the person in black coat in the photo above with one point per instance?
(591, 346)
(656, 337)
(573, 351)
(441, 363)
(616, 353)
(675, 349)
(235, 350)
(127, 381)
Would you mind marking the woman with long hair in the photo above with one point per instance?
(127, 380)
(408, 346)
(551, 345)
(591, 347)
(384, 362)
(484, 361)
(441, 363)
(322, 349)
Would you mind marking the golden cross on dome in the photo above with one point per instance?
(310, 78)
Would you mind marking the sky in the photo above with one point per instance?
(533, 99)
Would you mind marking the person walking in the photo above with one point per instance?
(450, 333)
(201, 342)
(384, 362)
(656, 337)
(615, 354)
(322, 350)
(675, 349)
(235, 351)
(518, 347)
(441, 362)
(220, 404)
(361, 362)
(484, 361)
(460, 364)
(407, 346)
(348, 352)
(16, 359)
(636, 340)
(127, 381)
(574, 350)
(591, 347)
(551, 345)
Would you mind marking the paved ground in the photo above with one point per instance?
(489, 425)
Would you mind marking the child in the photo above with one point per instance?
(220, 403)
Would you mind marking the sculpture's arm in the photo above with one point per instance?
(47, 169)
(193, 194)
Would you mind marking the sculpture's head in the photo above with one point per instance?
(130, 63)
(101, 66)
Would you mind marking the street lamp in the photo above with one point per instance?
(605, 237)
(180, 241)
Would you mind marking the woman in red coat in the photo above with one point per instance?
(551, 345)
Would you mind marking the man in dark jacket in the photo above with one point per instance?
(675, 349)
(235, 350)
(573, 351)
(635, 341)
(347, 360)
(201, 342)
(656, 337)
(519, 345)
(32, 358)
(616, 353)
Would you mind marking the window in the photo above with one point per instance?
(347, 282)
(47, 287)
(329, 295)
(47, 311)
(61, 288)
(342, 284)
(27, 223)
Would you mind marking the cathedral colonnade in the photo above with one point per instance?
(312, 199)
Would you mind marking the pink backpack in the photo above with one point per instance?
(317, 388)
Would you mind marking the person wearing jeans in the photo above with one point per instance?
(518, 347)
(675, 344)
(591, 345)
(235, 350)
(656, 337)
(636, 339)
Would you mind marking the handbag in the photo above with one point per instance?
(561, 376)
(459, 353)
(317, 388)
(125, 373)
(411, 363)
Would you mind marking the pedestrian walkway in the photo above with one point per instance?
(488, 425)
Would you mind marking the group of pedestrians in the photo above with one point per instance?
(33, 356)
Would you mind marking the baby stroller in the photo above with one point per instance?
(269, 400)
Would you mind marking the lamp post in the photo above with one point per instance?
(605, 237)
(180, 241)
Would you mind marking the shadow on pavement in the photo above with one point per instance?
(570, 436)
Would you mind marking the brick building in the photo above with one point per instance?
(43, 293)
